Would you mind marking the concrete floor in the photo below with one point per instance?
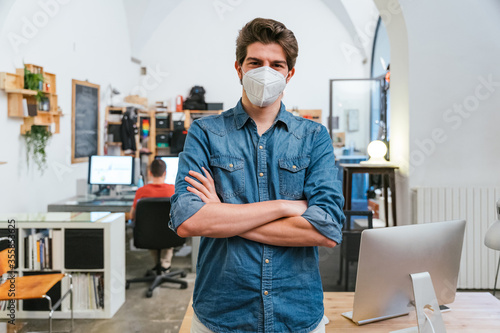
(163, 313)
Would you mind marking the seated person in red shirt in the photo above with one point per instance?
(156, 189)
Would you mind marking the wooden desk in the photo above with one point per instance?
(91, 204)
(388, 180)
(471, 312)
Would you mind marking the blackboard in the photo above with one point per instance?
(85, 134)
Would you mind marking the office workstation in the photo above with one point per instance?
(333, 166)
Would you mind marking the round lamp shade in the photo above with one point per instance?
(377, 149)
(492, 238)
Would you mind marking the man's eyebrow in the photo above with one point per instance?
(253, 59)
(260, 60)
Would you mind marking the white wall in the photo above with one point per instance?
(453, 48)
(195, 45)
(84, 40)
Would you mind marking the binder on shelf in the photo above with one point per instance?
(88, 291)
(56, 249)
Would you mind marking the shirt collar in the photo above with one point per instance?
(241, 117)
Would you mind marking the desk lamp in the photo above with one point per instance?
(492, 240)
(377, 150)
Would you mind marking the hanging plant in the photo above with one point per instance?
(36, 142)
(34, 81)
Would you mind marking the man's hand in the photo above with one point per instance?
(205, 188)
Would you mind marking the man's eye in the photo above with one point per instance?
(278, 65)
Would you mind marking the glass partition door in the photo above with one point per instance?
(357, 114)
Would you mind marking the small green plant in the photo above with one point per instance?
(36, 142)
(32, 82)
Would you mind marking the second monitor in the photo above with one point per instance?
(172, 163)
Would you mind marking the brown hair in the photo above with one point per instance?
(267, 31)
(157, 168)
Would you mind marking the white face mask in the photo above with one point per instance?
(263, 85)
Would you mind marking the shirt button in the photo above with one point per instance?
(231, 165)
(266, 293)
(261, 174)
(260, 147)
(267, 261)
(294, 167)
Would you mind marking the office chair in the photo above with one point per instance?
(351, 241)
(32, 286)
(151, 232)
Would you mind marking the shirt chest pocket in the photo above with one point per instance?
(292, 173)
(229, 175)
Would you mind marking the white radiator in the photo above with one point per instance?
(476, 205)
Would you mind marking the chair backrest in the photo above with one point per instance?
(352, 237)
(4, 257)
(4, 262)
(350, 213)
(151, 229)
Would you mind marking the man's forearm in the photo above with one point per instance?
(291, 231)
(220, 220)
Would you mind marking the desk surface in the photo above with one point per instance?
(471, 312)
(368, 166)
(93, 204)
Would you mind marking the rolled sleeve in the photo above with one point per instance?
(323, 190)
(185, 206)
(194, 157)
(324, 223)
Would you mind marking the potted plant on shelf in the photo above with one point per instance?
(34, 81)
(36, 142)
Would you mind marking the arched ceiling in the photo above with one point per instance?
(145, 16)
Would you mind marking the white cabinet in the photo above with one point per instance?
(89, 246)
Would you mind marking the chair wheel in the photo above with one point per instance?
(183, 274)
(184, 286)
(149, 293)
(127, 285)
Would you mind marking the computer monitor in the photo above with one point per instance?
(111, 170)
(172, 163)
(389, 255)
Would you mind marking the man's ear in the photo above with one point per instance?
(237, 66)
(290, 74)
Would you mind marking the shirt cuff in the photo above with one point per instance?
(324, 223)
(184, 207)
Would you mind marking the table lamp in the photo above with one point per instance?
(377, 150)
(492, 240)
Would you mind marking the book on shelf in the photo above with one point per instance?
(38, 248)
(57, 249)
(88, 291)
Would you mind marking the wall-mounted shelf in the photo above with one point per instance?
(21, 91)
(13, 85)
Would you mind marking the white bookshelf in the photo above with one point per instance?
(113, 270)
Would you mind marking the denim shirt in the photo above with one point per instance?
(242, 285)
